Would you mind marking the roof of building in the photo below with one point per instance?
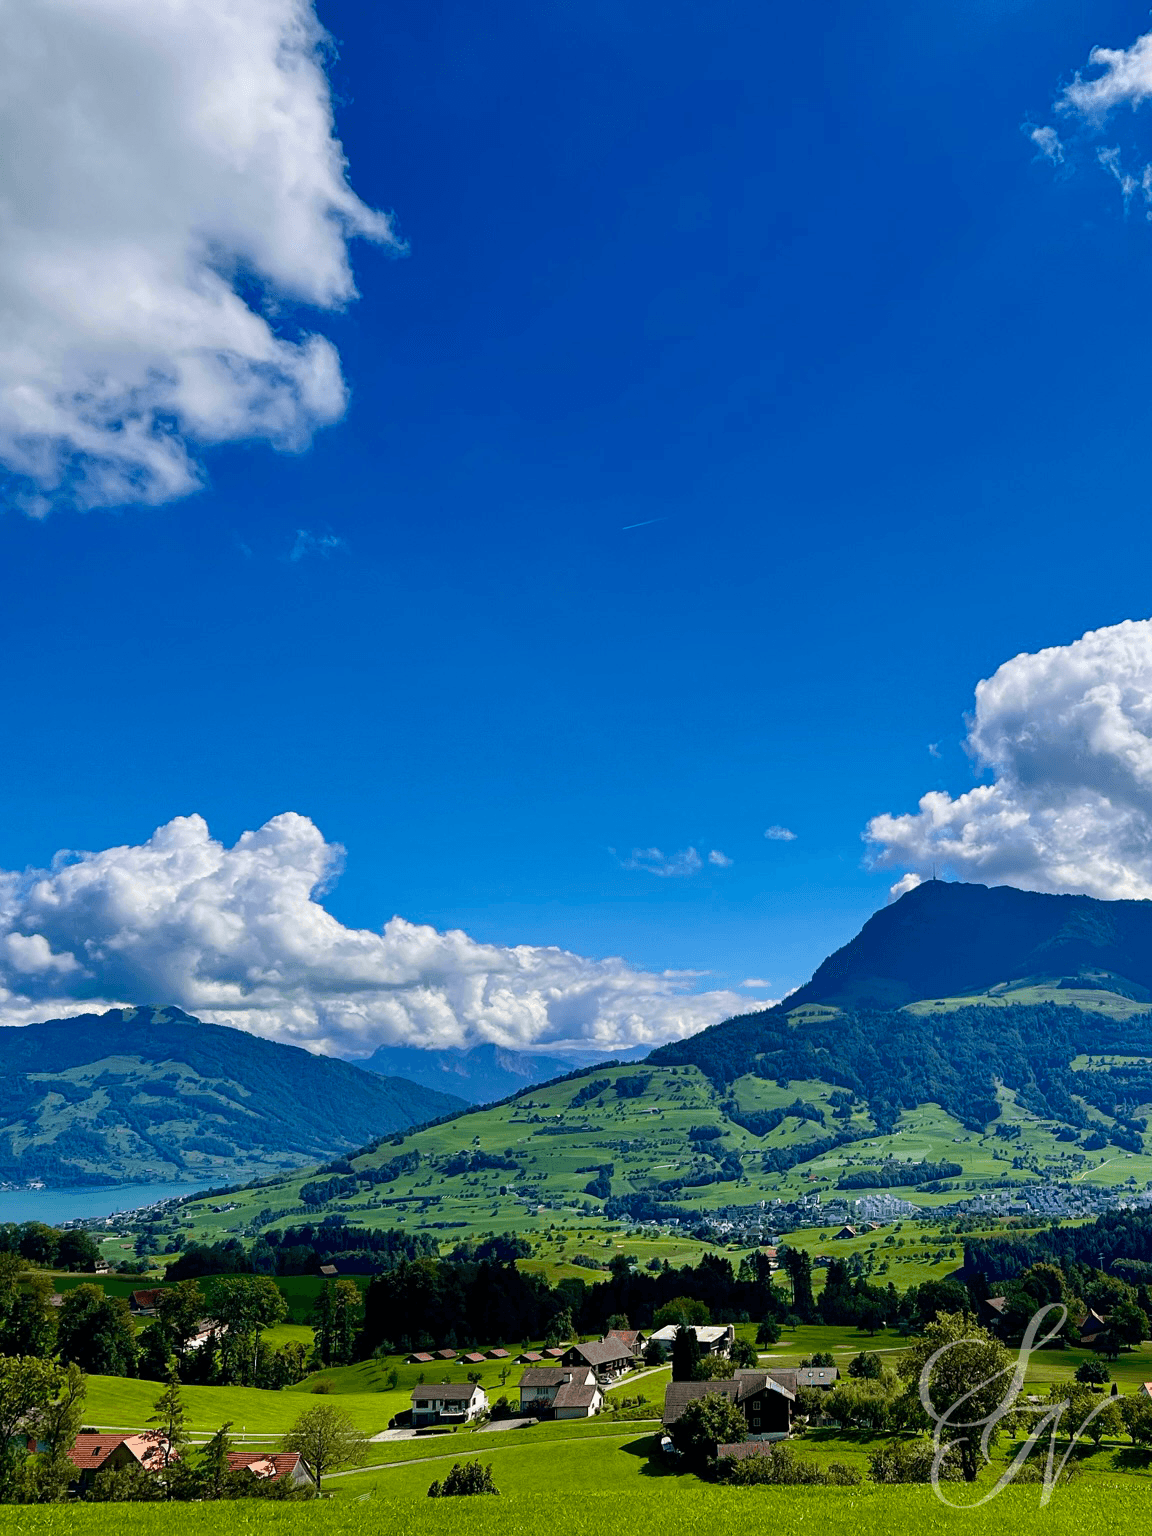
(706, 1333)
(551, 1375)
(1093, 1323)
(447, 1391)
(556, 1352)
(530, 1354)
(799, 1376)
(997, 1303)
(498, 1354)
(474, 1359)
(445, 1354)
(739, 1388)
(601, 1351)
(577, 1394)
(267, 1464)
(846, 1231)
(329, 1269)
(629, 1336)
(91, 1451)
(424, 1359)
(143, 1298)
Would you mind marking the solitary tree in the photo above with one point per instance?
(327, 1439)
(95, 1331)
(972, 1362)
(168, 1416)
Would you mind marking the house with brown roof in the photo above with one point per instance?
(143, 1303)
(765, 1403)
(445, 1354)
(556, 1351)
(559, 1392)
(273, 1467)
(94, 1453)
(609, 1358)
(631, 1337)
(328, 1271)
(474, 1359)
(846, 1232)
(499, 1354)
(420, 1357)
(529, 1357)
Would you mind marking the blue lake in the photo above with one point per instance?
(56, 1205)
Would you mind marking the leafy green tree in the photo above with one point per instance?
(654, 1354)
(131, 1484)
(685, 1354)
(560, 1329)
(1137, 1416)
(972, 1362)
(744, 1356)
(323, 1310)
(768, 1332)
(41, 1403)
(911, 1461)
(327, 1439)
(30, 1326)
(1128, 1323)
(679, 1311)
(465, 1478)
(867, 1365)
(242, 1306)
(1093, 1371)
(179, 1309)
(77, 1249)
(96, 1332)
(706, 1423)
(215, 1477)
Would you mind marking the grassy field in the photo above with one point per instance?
(670, 1506)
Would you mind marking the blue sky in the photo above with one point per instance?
(804, 303)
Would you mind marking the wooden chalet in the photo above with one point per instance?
(447, 1402)
(273, 1467)
(765, 1403)
(557, 1392)
(93, 1453)
(609, 1358)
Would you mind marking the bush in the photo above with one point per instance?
(911, 1461)
(782, 1466)
(768, 1332)
(466, 1477)
(1093, 1371)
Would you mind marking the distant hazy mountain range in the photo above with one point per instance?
(485, 1072)
(152, 1093)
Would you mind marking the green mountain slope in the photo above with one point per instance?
(947, 940)
(1037, 1071)
(153, 1093)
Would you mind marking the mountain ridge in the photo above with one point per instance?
(134, 1092)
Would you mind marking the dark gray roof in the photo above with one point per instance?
(740, 1388)
(806, 1376)
(446, 1390)
(602, 1351)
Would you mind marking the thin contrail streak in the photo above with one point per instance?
(647, 523)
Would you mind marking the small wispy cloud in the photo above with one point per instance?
(933, 749)
(756, 983)
(308, 543)
(721, 860)
(780, 835)
(1047, 142)
(670, 866)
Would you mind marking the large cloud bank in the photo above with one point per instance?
(170, 180)
(1067, 736)
(237, 936)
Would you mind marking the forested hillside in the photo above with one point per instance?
(153, 1092)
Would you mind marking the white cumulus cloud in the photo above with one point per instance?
(780, 835)
(238, 936)
(720, 860)
(171, 183)
(1067, 737)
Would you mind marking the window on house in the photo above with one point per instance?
(755, 1423)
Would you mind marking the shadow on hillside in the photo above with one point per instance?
(646, 1448)
(1133, 1458)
